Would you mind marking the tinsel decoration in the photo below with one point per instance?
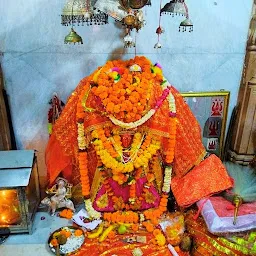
(244, 190)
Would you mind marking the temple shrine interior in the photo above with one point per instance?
(128, 128)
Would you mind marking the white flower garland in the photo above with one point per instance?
(81, 136)
(90, 210)
(171, 99)
(131, 125)
(167, 179)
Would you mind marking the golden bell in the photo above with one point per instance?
(73, 37)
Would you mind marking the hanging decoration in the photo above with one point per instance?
(159, 30)
(133, 20)
(82, 12)
(128, 41)
(178, 7)
(128, 12)
(73, 37)
(174, 7)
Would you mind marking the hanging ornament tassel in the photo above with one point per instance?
(159, 30)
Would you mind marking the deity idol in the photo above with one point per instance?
(124, 132)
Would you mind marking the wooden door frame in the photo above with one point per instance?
(5, 136)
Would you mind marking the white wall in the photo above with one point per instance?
(36, 62)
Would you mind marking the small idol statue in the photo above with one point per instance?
(61, 192)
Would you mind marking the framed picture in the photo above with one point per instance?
(210, 110)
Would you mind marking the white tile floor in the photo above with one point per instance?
(36, 243)
(25, 250)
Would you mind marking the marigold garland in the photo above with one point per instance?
(125, 98)
(121, 217)
(83, 162)
(108, 156)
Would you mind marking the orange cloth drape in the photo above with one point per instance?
(208, 178)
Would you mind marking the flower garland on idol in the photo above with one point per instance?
(125, 93)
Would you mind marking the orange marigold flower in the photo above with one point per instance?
(78, 232)
(54, 242)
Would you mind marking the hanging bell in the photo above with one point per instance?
(73, 37)
(157, 45)
(128, 42)
(187, 23)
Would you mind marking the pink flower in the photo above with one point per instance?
(172, 114)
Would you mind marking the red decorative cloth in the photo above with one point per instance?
(208, 178)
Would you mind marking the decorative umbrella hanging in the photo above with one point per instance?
(82, 12)
(179, 7)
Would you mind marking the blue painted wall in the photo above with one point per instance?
(36, 63)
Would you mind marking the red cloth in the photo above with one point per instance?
(225, 208)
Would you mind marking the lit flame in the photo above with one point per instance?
(3, 193)
(9, 207)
